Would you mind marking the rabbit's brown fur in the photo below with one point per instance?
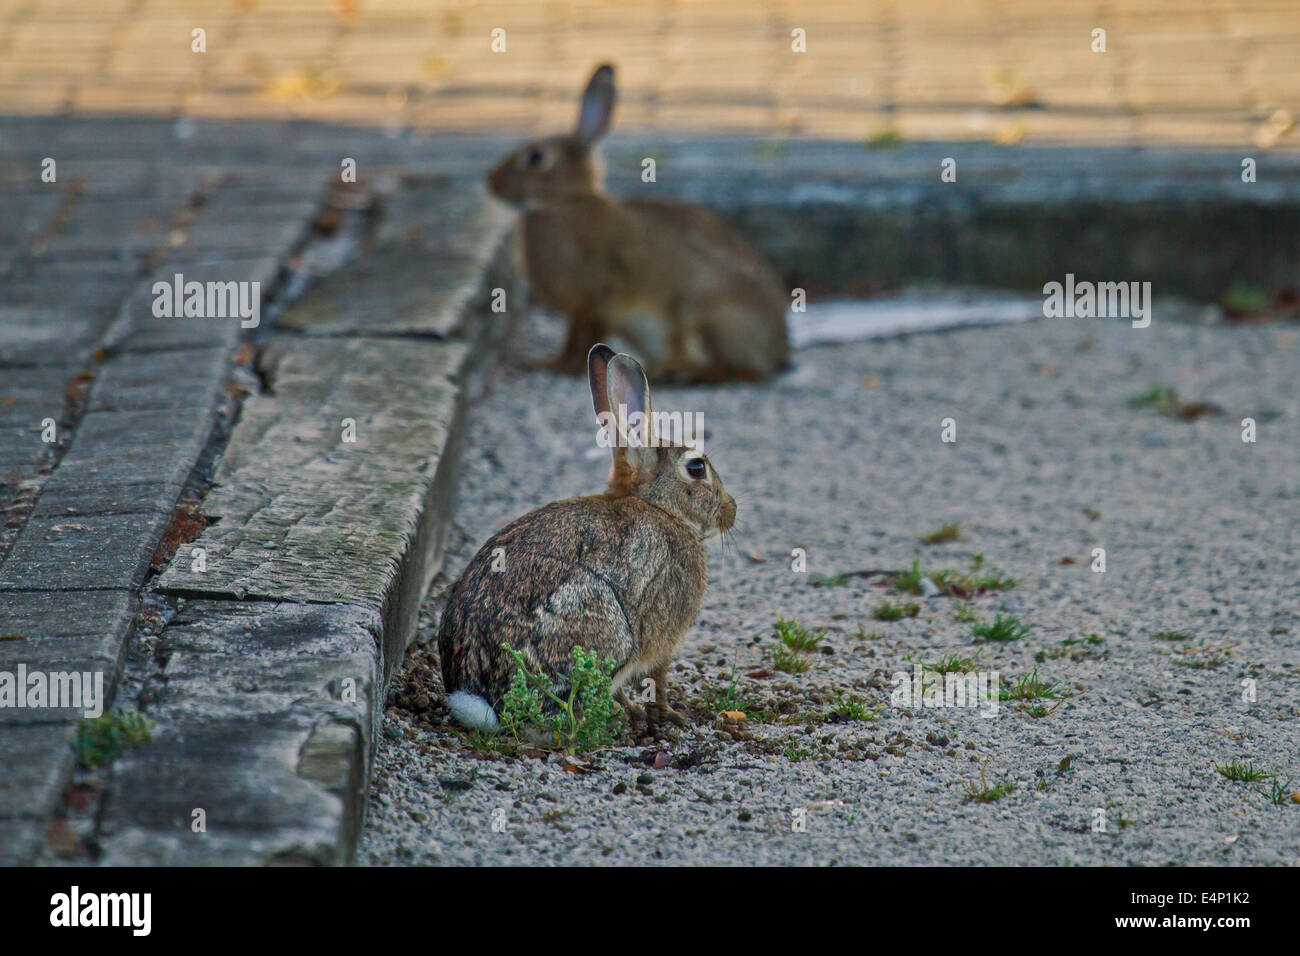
(620, 574)
(696, 301)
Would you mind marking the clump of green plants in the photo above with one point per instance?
(1165, 401)
(1171, 636)
(769, 148)
(909, 581)
(1242, 772)
(1156, 396)
(1279, 793)
(953, 664)
(733, 700)
(1032, 687)
(1004, 627)
(585, 719)
(828, 580)
(942, 534)
(951, 582)
(886, 138)
(99, 740)
(794, 645)
(1243, 299)
(889, 611)
(850, 708)
(1203, 657)
(993, 581)
(984, 792)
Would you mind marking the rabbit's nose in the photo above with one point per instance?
(727, 514)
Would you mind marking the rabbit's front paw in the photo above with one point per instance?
(675, 717)
(636, 715)
(661, 714)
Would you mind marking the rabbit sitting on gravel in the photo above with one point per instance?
(620, 574)
(691, 296)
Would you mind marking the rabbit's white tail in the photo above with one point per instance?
(472, 711)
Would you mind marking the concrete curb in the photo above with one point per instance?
(327, 517)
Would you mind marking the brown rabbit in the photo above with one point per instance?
(620, 574)
(693, 298)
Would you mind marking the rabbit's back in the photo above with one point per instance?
(705, 238)
(681, 285)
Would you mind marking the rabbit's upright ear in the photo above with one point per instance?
(597, 364)
(597, 106)
(629, 399)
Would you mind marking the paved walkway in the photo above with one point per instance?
(112, 418)
(1220, 72)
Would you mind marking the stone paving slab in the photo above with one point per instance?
(31, 335)
(24, 216)
(136, 328)
(55, 554)
(418, 276)
(111, 227)
(144, 382)
(71, 625)
(266, 724)
(125, 462)
(269, 228)
(28, 395)
(19, 842)
(96, 291)
(37, 760)
(22, 456)
(292, 498)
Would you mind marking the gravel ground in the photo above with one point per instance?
(843, 458)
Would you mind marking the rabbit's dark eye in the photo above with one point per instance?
(696, 468)
(535, 157)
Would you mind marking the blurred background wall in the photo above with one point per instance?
(1207, 72)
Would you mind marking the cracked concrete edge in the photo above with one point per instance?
(290, 786)
(264, 742)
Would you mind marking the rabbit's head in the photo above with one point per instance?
(560, 167)
(676, 479)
